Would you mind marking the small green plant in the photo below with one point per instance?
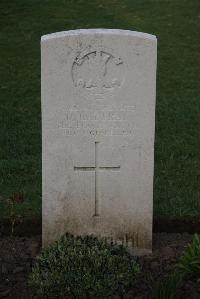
(189, 263)
(166, 289)
(83, 267)
(11, 204)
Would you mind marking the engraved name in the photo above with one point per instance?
(92, 123)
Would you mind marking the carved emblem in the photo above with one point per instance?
(97, 71)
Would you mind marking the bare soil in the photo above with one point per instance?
(17, 255)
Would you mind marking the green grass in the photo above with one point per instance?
(187, 269)
(176, 23)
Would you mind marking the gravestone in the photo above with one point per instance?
(98, 109)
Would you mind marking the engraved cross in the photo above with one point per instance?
(96, 168)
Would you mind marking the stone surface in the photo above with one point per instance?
(98, 109)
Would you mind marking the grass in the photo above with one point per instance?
(187, 268)
(176, 23)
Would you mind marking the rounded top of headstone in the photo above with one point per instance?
(98, 31)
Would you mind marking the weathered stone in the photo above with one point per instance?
(98, 106)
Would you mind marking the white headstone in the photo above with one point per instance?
(98, 109)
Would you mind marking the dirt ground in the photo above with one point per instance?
(17, 255)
